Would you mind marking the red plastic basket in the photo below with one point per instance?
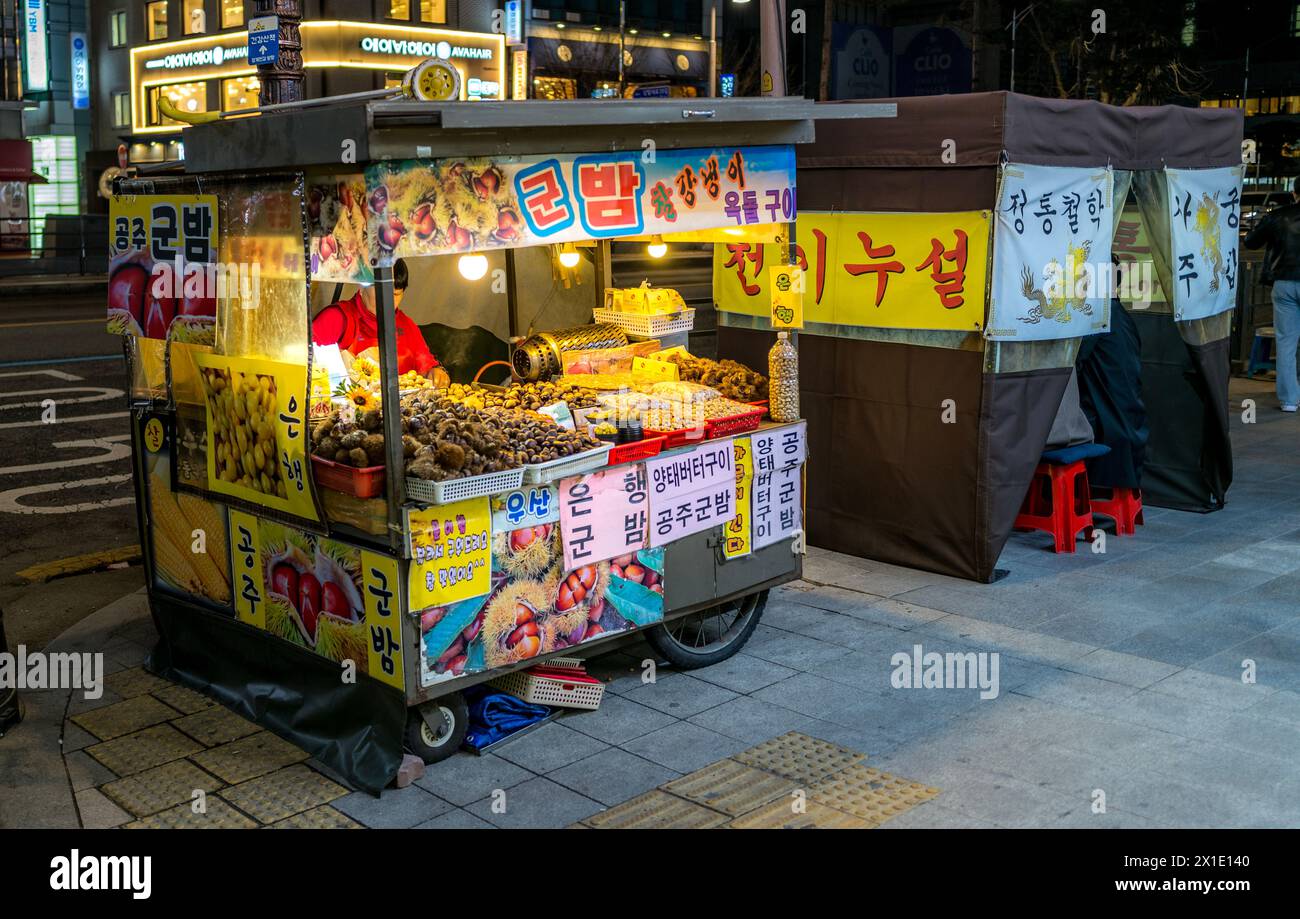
(637, 450)
(735, 424)
(366, 482)
(680, 438)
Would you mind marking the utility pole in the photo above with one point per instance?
(282, 81)
(1016, 16)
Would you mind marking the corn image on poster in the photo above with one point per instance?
(257, 432)
(187, 533)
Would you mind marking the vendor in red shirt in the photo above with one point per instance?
(351, 324)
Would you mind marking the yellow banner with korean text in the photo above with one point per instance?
(886, 270)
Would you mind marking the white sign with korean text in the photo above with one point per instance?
(603, 515)
(691, 491)
(777, 510)
(1204, 216)
(1051, 253)
(778, 448)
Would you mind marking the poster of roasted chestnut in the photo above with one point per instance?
(314, 592)
(536, 607)
(161, 270)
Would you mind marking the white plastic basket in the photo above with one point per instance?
(476, 486)
(648, 325)
(565, 466)
(553, 691)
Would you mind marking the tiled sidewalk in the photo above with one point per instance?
(1120, 702)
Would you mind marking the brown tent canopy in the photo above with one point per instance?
(888, 479)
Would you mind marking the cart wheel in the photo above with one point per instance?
(709, 636)
(434, 746)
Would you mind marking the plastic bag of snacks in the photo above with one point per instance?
(680, 391)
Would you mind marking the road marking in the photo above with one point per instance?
(32, 325)
(57, 374)
(114, 448)
(32, 424)
(9, 500)
(63, 360)
(77, 564)
(104, 392)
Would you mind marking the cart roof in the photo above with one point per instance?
(315, 136)
(1030, 129)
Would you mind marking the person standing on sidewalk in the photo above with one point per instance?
(1279, 232)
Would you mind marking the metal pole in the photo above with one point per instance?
(622, 42)
(282, 81)
(385, 313)
(713, 47)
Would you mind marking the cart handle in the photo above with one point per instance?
(506, 364)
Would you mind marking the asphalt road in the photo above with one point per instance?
(65, 474)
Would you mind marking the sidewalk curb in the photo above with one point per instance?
(26, 287)
(35, 790)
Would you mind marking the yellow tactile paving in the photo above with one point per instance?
(216, 725)
(318, 818)
(135, 681)
(143, 750)
(159, 788)
(217, 815)
(283, 794)
(799, 757)
(784, 815)
(250, 757)
(730, 787)
(873, 795)
(182, 698)
(122, 718)
(657, 810)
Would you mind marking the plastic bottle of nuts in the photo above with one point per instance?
(783, 379)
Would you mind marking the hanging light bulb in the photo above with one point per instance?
(569, 255)
(657, 248)
(472, 267)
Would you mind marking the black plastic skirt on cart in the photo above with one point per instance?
(353, 728)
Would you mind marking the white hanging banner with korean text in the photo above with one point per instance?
(1204, 216)
(778, 448)
(777, 505)
(691, 491)
(1051, 253)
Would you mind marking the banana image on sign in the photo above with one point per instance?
(786, 285)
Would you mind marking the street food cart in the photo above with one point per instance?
(338, 571)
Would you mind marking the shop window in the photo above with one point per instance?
(121, 110)
(399, 9)
(240, 93)
(433, 11)
(196, 19)
(155, 20)
(188, 97)
(232, 13)
(117, 29)
(1295, 21)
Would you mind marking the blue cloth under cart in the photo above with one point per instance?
(494, 715)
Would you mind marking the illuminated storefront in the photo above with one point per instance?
(212, 73)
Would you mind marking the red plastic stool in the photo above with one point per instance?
(1058, 503)
(1124, 506)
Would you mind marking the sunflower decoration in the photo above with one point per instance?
(363, 399)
